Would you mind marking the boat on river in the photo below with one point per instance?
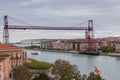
(90, 52)
(34, 53)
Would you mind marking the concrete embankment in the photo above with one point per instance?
(62, 51)
(114, 54)
(110, 54)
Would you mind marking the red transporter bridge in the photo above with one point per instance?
(89, 29)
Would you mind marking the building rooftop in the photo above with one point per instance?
(8, 47)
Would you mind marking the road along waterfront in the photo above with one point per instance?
(109, 66)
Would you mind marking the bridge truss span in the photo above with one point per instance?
(89, 28)
(47, 27)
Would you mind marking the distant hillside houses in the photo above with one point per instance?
(68, 45)
(75, 44)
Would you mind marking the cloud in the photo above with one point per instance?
(61, 13)
(68, 4)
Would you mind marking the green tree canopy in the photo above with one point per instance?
(93, 76)
(21, 73)
(64, 69)
(42, 76)
(108, 49)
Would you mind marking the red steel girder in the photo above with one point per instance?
(19, 27)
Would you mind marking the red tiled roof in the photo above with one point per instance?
(8, 47)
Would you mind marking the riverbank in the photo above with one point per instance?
(114, 54)
(61, 51)
(111, 54)
(76, 52)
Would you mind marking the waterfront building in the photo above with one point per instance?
(46, 45)
(69, 45)
(76, 45)
(66, 45)
(56, 45)
(104, 42)
(117, 46)
(83, 46)
(108, 41)
(111, 42)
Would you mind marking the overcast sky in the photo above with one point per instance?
(105, 13)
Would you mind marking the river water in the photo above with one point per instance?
(109, 66)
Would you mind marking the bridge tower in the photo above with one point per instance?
(89, 35)
(90, 29)
(5, 31)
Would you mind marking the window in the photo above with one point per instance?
(14, 63)
(19, 62)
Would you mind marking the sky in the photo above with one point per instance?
(105, 14)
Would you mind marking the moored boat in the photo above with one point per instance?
(34, 53)
(90, 52)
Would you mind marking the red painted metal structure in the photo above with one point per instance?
(20, 27)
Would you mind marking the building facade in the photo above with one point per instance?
(5, 67)
(16, 57)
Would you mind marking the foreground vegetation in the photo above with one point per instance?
(21, 73)
(41, 76)
(34, 64)
(61, 68)
(108, 49)
(65, 70)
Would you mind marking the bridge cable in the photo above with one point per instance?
(103, 29)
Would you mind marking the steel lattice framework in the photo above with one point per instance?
(20, 27)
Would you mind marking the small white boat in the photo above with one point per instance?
(34, 53)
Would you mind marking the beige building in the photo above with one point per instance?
(16, 56)
(70, 45)
(56, 45)
(5, 67)
(66, 45)
(117, 46)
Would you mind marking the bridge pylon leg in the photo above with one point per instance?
(5, 31)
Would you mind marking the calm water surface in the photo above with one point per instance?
(109, 66)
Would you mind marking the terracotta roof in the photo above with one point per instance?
(8, 47)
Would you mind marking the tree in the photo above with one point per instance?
(93, 76)
(21, 73)
(42, 76)
(64, 69)
(108, 48)
(76, 74)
